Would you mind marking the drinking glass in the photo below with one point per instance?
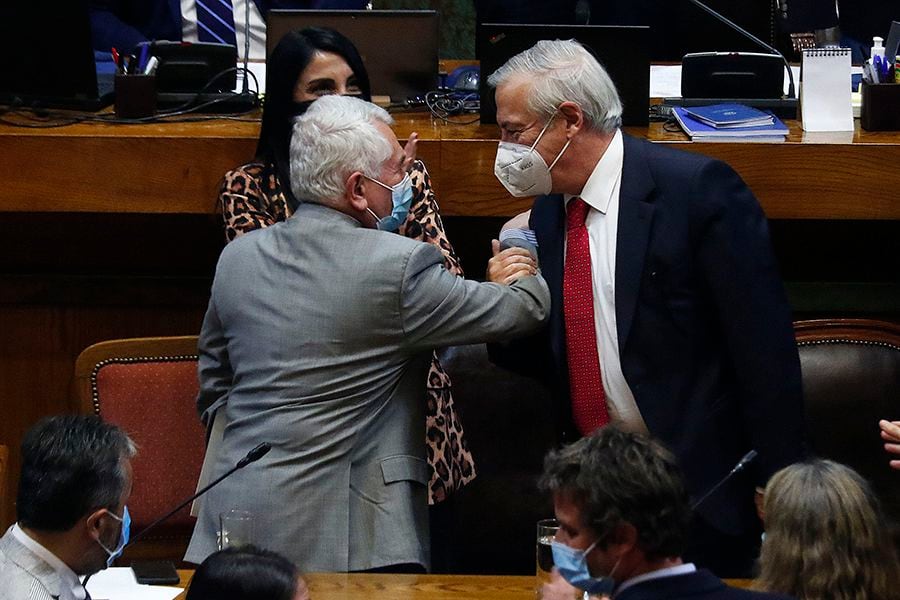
(235, 529)
(546, 531)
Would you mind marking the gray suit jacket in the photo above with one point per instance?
(23, 574)
(317, 340)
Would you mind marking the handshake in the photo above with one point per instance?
(515, 256)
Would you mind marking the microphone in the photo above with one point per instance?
(519, 238)
(254, 455)
(751, 37)
(246, 87)
(746, 460)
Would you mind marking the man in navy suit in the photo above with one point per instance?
(624, 519)
(123, 24)
(668, 315)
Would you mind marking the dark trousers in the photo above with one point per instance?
(444, 527)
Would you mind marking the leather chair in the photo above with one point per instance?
(851, 380)
(148, 386)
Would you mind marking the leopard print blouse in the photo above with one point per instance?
(251, 197)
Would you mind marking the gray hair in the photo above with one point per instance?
(333, 138)
(71, 466)
(564, 70)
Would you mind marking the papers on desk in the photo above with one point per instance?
(700, 131)
(118, 583)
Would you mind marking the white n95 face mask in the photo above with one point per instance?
(521, 169)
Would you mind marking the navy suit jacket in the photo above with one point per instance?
(704, 328)
(123, 24)
(700, 585)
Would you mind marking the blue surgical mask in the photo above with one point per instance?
(572, 565)
(401, 199)
(124, 536)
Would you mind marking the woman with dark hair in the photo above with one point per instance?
(826, 536)
(305, 65)
(257, 195)
(247, 573)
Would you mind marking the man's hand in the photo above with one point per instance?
(560, 589)
(302, 592)
(409, 151)
(511, 264)
(890, 433)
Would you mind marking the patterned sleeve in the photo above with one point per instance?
(424, 222)
(247, 203)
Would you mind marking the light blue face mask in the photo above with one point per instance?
(572, 565)
(124, 536)
(401, 198)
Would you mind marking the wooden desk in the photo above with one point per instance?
(362, 586)
(358, 586)
(174, 168)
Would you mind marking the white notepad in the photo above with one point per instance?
(825, 90)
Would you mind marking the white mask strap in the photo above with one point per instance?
(558, 156)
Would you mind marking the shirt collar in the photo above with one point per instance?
(658, 574)
(67, 576)
(599, 188)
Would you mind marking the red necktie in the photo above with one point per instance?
(585, 384)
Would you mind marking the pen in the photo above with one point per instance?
(151, 66)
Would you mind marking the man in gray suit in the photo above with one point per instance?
(317, 340)
(71, 514)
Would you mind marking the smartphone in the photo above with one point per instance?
(159, 572)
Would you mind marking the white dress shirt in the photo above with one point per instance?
(70, 585)
(601, 193)
(257, 27)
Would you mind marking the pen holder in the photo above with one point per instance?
(135, 96)
(880, 110)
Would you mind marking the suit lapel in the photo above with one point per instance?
(175, 12)
(635, 217)
(549, 224)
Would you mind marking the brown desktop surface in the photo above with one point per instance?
(175, 168)
(357, 586)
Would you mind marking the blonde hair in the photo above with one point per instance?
(826, 537)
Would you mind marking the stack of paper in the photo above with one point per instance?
(731, 126)
(118, 583)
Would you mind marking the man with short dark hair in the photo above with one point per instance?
(71, 514)
(624, 518)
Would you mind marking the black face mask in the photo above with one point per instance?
(298, 108)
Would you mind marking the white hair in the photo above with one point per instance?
(333, 138)
(560, 71)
